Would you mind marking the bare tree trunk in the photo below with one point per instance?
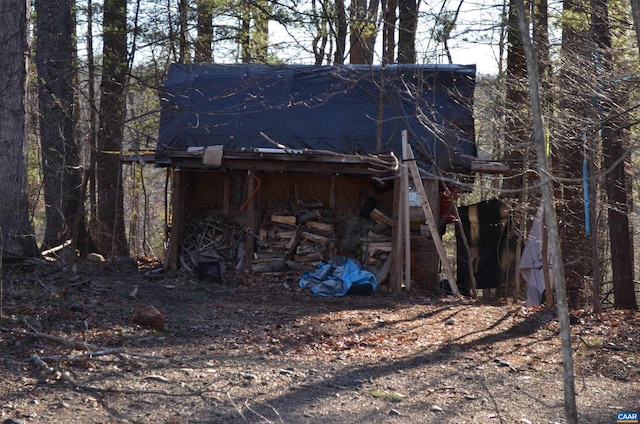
(573, 117)
(517, 116)
(341, 33)
(613, 151)
(17, 234)
(541, 41)
(363, 22)
(262, 11)
(635, 11)
(92, 138)
(112, 240)
(60, 150)
(390, 14)
(321, 35)
(245, 34)
(203, 47)
(183, 9)
(55, 106)
(571, 410)
(407, 25)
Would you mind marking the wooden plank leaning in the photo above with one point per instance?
(431, 221)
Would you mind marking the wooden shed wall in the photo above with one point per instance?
(341, 194)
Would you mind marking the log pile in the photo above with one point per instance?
(294, 235)
(376, 250)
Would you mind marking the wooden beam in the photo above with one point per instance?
(431, 220)
(179, 186)
(251, 220)
(406, 222)
(490, 167)
(332, 192)
(395, 278)
(226, 193)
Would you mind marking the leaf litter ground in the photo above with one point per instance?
(258, 349)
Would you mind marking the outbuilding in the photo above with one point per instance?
(278, 167)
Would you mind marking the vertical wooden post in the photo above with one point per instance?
(178, 198)
(296, 191)
(406, 224)
(226, 192)
(250, 241)
(395, 278)
(332, 192)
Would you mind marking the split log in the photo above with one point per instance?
(267, 265)
(284, 219)
(311, 257)
(316, 238)
(378, 246)
(293, 241)
(284, 234)
(313, 215)
(383, 273)
(380, 217)
(322, 226)
(305, 249)
(297, 266)
(277, 244)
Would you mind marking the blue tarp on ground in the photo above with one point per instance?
(336, 277)
(334, 108)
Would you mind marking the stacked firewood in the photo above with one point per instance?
(376, 248)
(294, 235)
(209, 240)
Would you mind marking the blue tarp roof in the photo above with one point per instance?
(334, 108)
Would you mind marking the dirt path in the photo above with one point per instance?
(258, 349)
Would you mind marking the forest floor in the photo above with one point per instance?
(258, 349)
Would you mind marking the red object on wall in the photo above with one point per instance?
(447, 201)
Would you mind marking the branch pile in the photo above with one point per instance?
(207, 240)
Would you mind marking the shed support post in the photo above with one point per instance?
(177, 218)
(250, 241)
(397, 247)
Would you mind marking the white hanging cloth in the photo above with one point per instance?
(531, 262)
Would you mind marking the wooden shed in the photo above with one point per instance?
(276, 168)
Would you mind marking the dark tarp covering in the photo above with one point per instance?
(486, 228)
(322, 108)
